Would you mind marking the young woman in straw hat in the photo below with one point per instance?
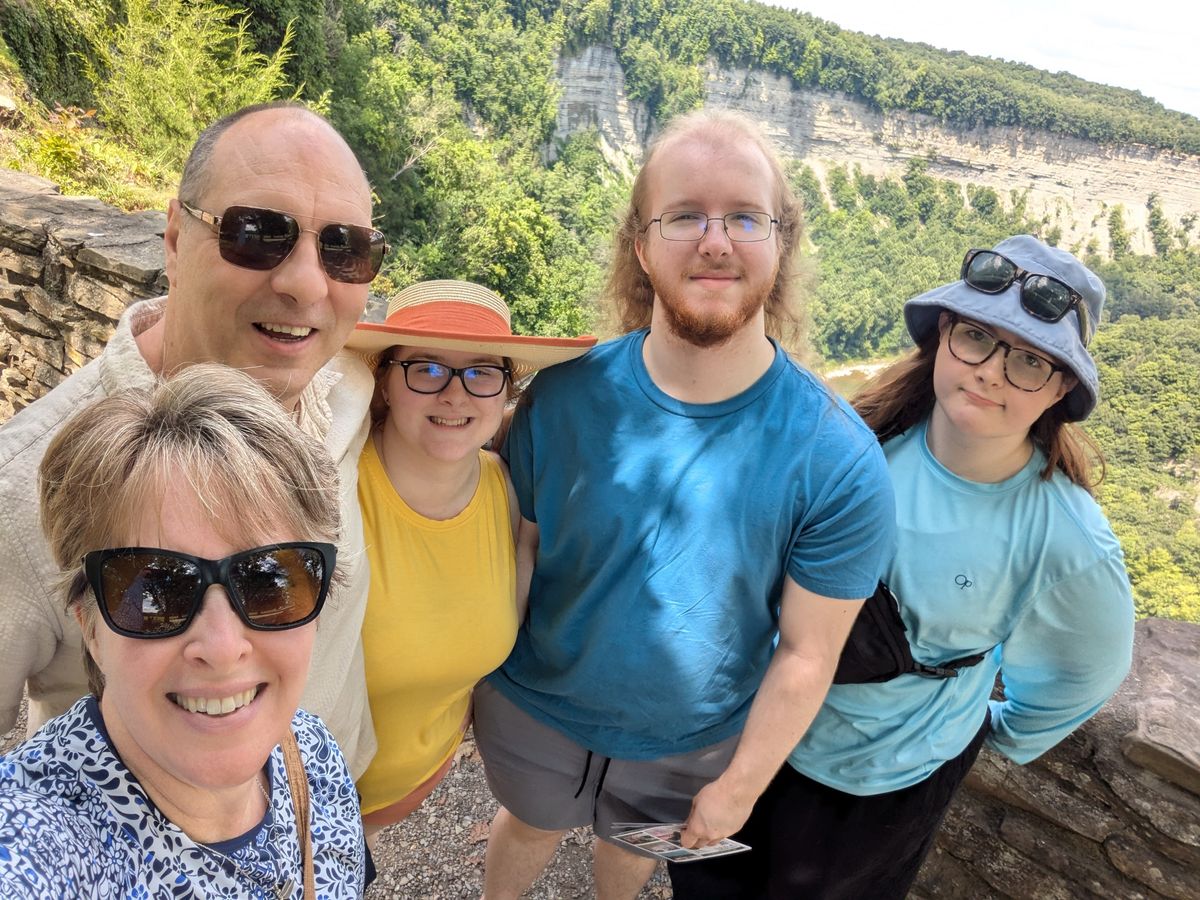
(1004, 565)
(439, 518)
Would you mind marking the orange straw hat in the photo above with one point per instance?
(459, 315)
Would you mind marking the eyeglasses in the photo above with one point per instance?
(427, 377)
(257, 238)
(1023, 369)
(1042, 296)
(145, 592)
(740, 227)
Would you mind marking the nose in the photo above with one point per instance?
(991, 370)
(217, 637)
(715, 240)
(454, 391)
(301, 276)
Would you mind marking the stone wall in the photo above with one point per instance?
(68, 268)
(1070, 182)
(1111, 812)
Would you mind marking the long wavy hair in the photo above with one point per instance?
(901, 396)
(628, 287)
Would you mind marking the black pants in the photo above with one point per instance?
(811, 842)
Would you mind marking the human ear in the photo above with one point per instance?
(1066, 385)
(87, 626)
(171, 239)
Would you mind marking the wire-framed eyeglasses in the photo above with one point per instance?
(424, 376)
(740, 227)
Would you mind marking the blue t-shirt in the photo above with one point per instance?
(666, 530)
(1025, 566)
(74, 822)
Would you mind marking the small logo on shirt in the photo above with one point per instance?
(963, 582)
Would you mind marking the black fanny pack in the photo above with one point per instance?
(877, 648)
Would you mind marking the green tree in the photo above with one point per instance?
(1118, 234)
(1158, 226)
(172, 67)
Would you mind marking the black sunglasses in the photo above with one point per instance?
(146, 592)
(1042, 296)
(256, 238)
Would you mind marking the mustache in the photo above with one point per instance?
(714, 270)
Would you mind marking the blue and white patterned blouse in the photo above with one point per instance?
(74, 822)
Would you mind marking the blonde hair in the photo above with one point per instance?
(629, 288)
(254, 471)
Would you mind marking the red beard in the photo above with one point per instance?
(707, 327)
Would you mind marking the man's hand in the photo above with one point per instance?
(718, 811)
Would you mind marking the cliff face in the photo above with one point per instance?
(1070, 183)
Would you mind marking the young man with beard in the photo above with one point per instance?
(701, 519)
(269, 250)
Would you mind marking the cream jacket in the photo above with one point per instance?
(40, 643)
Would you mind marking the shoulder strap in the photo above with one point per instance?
(298, 785)
(948, 669)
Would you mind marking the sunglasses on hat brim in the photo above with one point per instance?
(1042, 296)
(254, 237)
(148, 592)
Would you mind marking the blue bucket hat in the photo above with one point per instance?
(1059, 339)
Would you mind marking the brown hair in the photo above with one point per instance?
(217, 428)
(628, 287)
(901, 396)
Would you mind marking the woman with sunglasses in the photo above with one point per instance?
(439, 517)
(194, 524)
(1004, 565)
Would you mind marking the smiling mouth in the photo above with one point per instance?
(449, 423)
(288, 333)
(215, 706)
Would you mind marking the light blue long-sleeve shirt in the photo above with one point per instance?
(1025, 566)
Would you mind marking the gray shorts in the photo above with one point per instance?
(550, 782)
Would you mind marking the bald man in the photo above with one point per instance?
(269, 251)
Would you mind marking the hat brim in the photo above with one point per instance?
(1058, 339)
(528, 353)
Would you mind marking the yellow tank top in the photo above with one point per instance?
(441, 614)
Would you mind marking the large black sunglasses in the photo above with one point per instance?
(256, 238)
(1042, 296)
(147, 592)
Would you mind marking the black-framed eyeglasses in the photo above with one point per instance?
(254, 237)
(1042, 296)
(148, 592)
(1023, 369)
(428, 377)
(740, 227)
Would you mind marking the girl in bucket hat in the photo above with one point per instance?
(1004, 564)
(439, 518)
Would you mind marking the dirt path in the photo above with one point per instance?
(437, 852)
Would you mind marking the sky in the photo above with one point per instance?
(1145, 45)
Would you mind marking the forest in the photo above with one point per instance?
(451, 106)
